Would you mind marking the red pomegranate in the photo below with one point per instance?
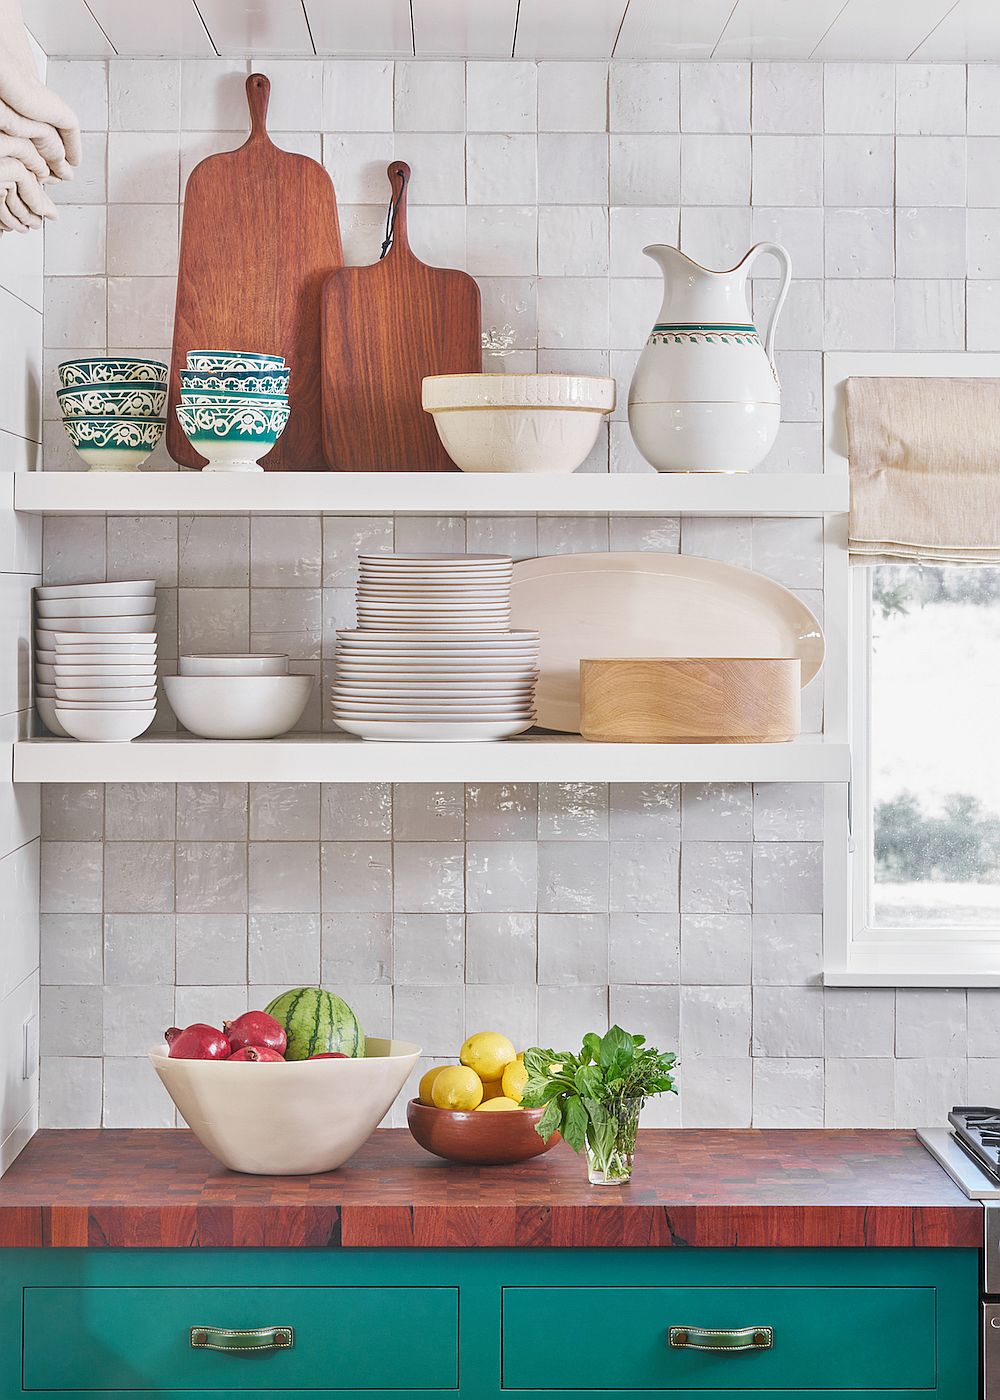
(330, 1055)
(196, 1042)
(256, 1028)
(257, 1052)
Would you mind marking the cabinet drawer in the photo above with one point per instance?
(822, 1339)
(110, 1339)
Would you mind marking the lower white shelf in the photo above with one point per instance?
(533, 758)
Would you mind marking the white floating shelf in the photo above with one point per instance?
(426, 493)
(534, 758)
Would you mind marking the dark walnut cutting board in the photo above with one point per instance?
(260, 236)
(384, 328)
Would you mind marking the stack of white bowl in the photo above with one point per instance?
(432, 658)
(95, 659)
(237, 697)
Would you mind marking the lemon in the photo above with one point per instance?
(515, 1076)
(427, 1084)
(498, 1105)
(457, 1088)
(488, 1053)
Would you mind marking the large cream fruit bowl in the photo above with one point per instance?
(291, 1118)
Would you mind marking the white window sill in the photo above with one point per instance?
(909, 977)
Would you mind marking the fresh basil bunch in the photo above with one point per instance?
(587, 1096)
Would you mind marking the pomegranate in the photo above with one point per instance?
(256, 1028)
(330, 1055)
(257, 1052)
(196, 1042)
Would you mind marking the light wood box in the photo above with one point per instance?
(687, 700)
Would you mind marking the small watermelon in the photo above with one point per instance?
(317, 1022)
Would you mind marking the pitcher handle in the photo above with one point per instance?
(785, 260)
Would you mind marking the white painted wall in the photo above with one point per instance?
(20, 569)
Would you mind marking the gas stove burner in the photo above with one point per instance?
(977, 1131)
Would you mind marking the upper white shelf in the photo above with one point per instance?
(338, 758)
(426, 493)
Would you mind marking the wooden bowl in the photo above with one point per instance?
(688, 700)
(484, 1139)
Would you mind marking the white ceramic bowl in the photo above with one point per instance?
(115, 706)
(265, 664)
(90, 627)
(106, 652)
(136, 606)
(46, 708)
(103, 726)
(546, 423)
(144, 587)
(289, 1118)
(106, 676)
(238, 707)
(98, 696)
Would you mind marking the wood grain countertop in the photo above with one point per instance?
(150, 1188)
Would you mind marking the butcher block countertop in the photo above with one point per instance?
(146, 1188)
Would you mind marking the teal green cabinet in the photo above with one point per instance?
(481, 1324)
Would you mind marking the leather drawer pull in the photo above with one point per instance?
(722, 1338)
(243, 1339)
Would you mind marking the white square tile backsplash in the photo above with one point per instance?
(695, 915)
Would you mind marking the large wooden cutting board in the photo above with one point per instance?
(384, 328)
(260, 236)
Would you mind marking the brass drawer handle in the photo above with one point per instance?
(243, 1339)
(722, 1338)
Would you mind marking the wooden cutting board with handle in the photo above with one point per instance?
(260, 236)
(384, 328)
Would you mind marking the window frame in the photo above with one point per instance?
(857, 953)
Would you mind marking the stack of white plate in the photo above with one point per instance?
(447, 670)
(455, 591)
(95, 659)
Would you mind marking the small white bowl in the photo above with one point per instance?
(542, 423)
(142, 625)
(102, 695)
(85, 679)
(113, 705)
(106, 652)
(46, 708)
(238, 707)
(45, 690)
(289, 1118)
(264, 664)
(131, 588)
(103, 726)
(134, 606)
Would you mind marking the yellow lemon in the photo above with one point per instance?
(515, 1076)
(457, 1088)
(492, 1090)
(488, 1053)
(427, 1084)
(498, 1105)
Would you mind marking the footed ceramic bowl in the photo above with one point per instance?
(233, 361)
(113, 401)
(99, 370)
(233, 437)
(114, 444)
(291, 1117)
(486, 1139)
(261, 381)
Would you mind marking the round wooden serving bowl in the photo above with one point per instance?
(483, 1139)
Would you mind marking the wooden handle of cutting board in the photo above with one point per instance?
(399, 178)
(258, 96)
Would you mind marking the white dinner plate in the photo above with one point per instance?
(434, 732)
(144, 625)
(520, 696)
(652, 605)
(422, 668)
(358, 637)
(437, 561)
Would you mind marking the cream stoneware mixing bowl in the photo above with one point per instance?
(289, 1118)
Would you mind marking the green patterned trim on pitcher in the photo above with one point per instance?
(703, 333)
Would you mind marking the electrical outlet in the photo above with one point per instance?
(30, 1067)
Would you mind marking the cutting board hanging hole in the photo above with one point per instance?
(395, 218)
(258, 95)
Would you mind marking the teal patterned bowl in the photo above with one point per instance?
(114, 444)
(199, 397)
(97, 369)
(233, 361)
(233, 438)
(239, 382)
(113, 401)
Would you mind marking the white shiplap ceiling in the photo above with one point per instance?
(925, 30)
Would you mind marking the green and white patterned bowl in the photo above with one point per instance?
(233, 438)
(239, 382)
(98, 369)
(113, 401)
(114, 444)
(233, 361)
(200, 397)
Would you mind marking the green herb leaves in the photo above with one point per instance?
(591, 1097)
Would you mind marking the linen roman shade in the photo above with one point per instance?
(925, 470)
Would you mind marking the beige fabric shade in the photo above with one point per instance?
(925, 470)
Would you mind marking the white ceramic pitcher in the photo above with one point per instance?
(705, 395)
